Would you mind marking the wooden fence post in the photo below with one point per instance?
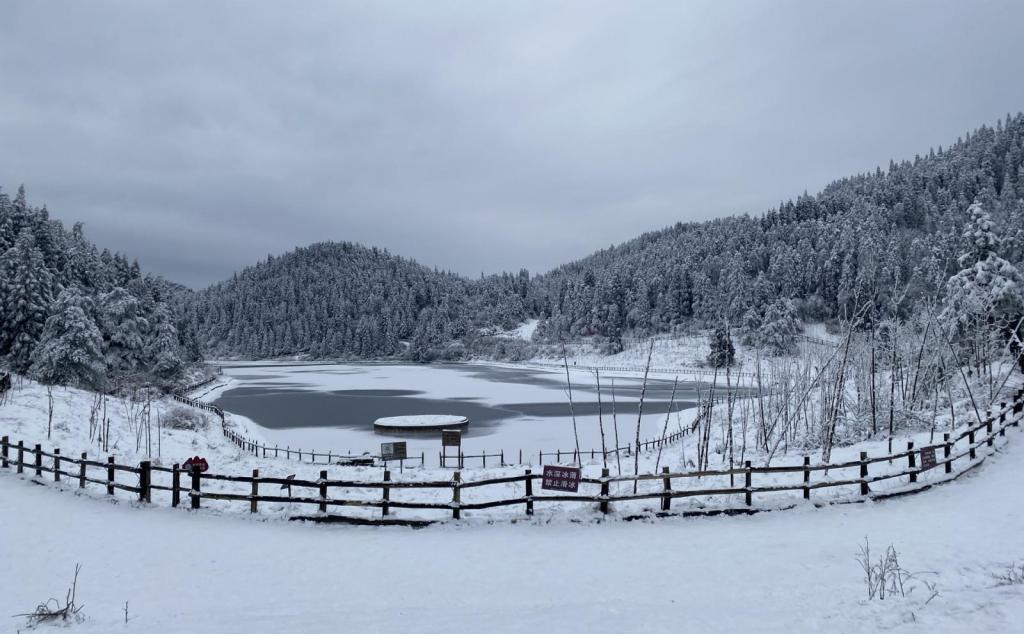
(911, 462)
(748, 477)
(988, 430)
(807, 477)
(456, 494)
(529, 492)
(970, 440)
(863, 473)
(4, 442)
(110, 475)
(56, 465)
(387, 493)
(947, 450)
(39, 459)
(196, 491)
(323, 491)
(1002, 419)
(255, 490)
(604, 490)
(81, 471)
(21, 456)
(175, 485)
(145, 476)
(666, 501)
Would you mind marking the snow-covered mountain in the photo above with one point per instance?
(888, 235)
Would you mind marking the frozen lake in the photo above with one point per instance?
(509, 408)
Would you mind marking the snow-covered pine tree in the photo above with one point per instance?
(986, 296)
(722, 353)
(163, 348)
(25, 296)
(778, 332)
(70, 348)
(124, 330)
(987, 287)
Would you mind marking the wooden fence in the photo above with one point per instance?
(326, 494)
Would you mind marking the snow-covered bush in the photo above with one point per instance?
(185, 418)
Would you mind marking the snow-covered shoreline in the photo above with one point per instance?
(24, 417)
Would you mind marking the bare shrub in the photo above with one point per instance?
(53, 611)
(885, 576)
(1012, 576)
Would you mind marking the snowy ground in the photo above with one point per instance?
(777, 572)
(674, 354)
(224, 571)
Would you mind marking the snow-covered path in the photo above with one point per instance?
(789, 571)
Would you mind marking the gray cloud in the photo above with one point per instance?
(476, 137)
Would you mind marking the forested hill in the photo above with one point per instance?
(72, 314)
(338, 300)
(891, 237)
(874, 236)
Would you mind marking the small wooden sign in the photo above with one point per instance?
(561, 479)
(451, 438)
(927, 458)
(197, 463)
(392, 450)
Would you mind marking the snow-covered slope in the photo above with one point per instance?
(778, 572)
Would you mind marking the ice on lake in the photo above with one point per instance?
(510, 408)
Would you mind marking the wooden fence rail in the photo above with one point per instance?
(326, 493)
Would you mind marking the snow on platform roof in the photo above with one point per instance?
(422, 421)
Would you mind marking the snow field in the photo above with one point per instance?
(24, 419)
(776, 572)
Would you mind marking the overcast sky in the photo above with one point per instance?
(477, 137)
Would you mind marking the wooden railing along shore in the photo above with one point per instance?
(955, 455)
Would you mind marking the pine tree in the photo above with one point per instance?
(124, 330)
(26, 297)
(987, 288)
(70, 348)
(163, 349)
(779, 329)
(722, 351)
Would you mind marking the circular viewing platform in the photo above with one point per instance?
(420, 423)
